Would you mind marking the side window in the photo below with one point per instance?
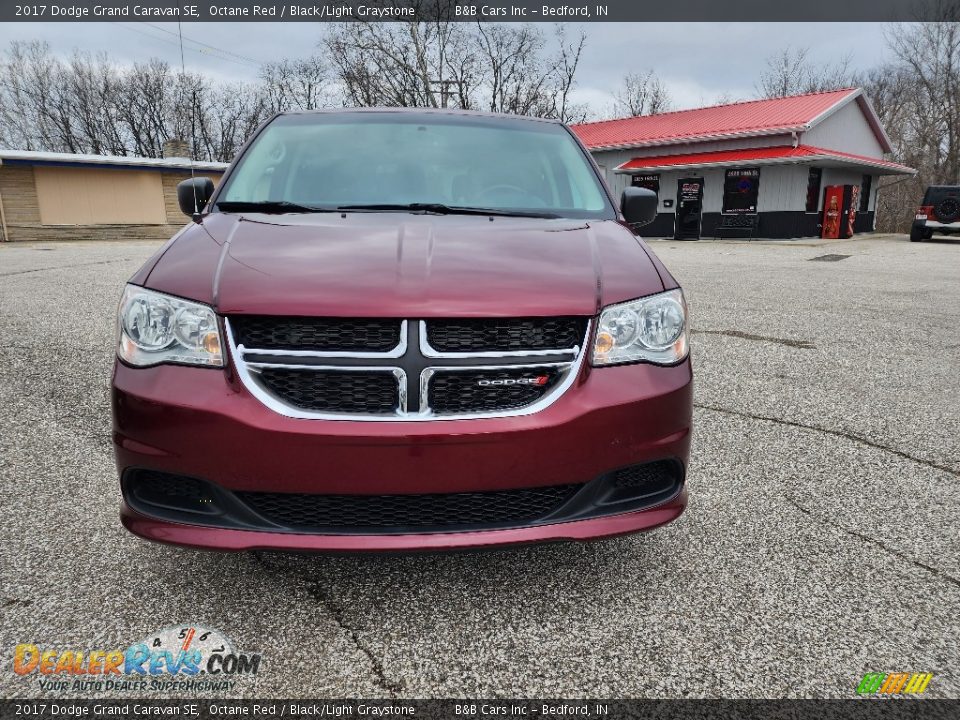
(814, 177)
(865, 193)
(741, 188)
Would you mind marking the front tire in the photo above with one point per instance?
(917, 234)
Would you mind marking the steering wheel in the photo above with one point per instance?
(512, 189)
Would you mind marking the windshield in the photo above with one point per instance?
(391, 159)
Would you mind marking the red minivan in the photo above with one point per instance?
(403, 330)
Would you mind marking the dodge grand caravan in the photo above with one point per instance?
(403, 330)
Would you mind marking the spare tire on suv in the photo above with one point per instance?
(947, 210)
(939, 212)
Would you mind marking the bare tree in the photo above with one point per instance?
(509, 68)
(929, 54)
(90, 87)
(791, 72)
(641, 93)
(227, 115)
(33, 107)
(566, 63)
(296, 84)
(518, 77)
(506, 52)
(784, 74)
(917, 97)
(890, 90)
(404, 64)
(144, 100)
(90, 104)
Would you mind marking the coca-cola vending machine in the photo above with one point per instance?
(832, 206)
(851, 193)
(840, 205)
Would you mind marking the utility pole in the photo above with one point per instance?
(445, 91)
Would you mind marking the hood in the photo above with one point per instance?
(403, 265)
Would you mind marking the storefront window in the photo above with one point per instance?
(865, 193)
(650, 182)
(740, 190)
(813, 189)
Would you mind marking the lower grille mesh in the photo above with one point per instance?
(505, 334)
(165, 490)
(647, 477)
(310, 333)
(190, 500)
(334, 391)
(448, 510)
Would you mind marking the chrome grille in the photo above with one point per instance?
(511, 368)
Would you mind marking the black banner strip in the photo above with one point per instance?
(889, 708)
(473, 11)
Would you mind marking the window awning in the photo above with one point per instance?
(777, 155)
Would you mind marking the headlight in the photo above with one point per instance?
(156, 328)
(652, 329)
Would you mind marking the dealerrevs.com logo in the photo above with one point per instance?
(181, 657)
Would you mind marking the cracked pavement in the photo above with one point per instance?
(821, 541)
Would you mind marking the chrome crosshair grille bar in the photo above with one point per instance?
(412, 364)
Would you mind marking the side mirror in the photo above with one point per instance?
(194, 194)
(639, 205)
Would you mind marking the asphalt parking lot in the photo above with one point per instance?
(821, 541)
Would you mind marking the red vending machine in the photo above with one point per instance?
(840, 205)
(832, 208)
(851, 196)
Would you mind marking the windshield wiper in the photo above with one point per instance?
(268, 206)
(441, 209)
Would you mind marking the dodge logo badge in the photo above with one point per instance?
(500, 382)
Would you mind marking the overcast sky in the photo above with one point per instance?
(698, 61)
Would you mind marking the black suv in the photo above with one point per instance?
(939, 212)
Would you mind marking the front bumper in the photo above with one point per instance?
(203, 423)
(227, 539)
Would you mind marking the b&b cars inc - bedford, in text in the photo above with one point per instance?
(298, 10)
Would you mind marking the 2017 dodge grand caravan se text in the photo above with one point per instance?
(403, 330)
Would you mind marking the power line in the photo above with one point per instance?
(128, 26)
(206, 45)
(211, 51)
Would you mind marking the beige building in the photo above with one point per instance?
(60, 196)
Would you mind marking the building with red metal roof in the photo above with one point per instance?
(761, 168)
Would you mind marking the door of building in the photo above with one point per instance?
(689, 208)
